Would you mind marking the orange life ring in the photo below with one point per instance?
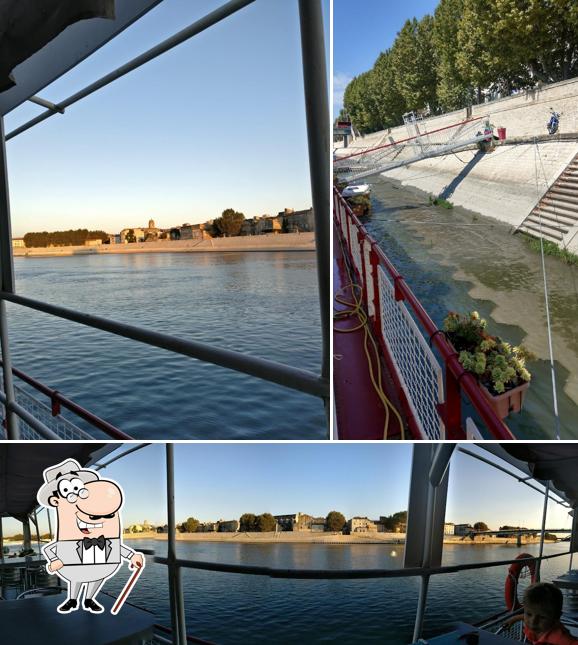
(511, 587)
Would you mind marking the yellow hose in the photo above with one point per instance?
(356, 309)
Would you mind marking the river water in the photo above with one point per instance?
(229, 608)
(455, 260)
(262, 304)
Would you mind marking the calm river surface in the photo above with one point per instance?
(262, 304)
(455, 260)
(228, 608)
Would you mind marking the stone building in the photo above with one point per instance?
(360, 525)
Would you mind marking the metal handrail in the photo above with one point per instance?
(456, 376)
(57, 399)
(343, 574)
(291, 377)
(188, 32)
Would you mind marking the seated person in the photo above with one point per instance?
(542, 611)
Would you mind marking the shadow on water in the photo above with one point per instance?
(456, 260)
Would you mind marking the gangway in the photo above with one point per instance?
(416, 147)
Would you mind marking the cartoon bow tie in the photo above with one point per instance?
(89, 542)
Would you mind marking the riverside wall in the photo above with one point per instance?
(280, 242)
(507, 183)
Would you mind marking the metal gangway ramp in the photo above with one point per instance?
(419, 145)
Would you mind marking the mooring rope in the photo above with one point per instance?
(546, 296)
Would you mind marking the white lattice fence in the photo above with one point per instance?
(368, 277)
(61, 426)
(355, 250)
(417, 367)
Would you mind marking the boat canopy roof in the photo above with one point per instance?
(551, 461)
(22, 467)
(39, 42)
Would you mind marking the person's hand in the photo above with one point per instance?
(137, 561)
(55, 565)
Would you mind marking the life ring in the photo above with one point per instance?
(511, 587)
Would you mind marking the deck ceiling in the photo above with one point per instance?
(553, 461)
(22, 466)
(47, 39)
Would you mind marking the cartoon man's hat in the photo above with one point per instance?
(66, 470)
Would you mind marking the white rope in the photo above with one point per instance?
(546, 297)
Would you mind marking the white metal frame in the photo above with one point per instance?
(317, 114)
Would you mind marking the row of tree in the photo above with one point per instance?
(447, 61)
(393, 522)
(265, 522)
(63, 238)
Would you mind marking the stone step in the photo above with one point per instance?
(555, 218)
(534, 230)
(563, 191)
(547, 225)
(559, 208)
(556, 195)
(560, 202)
(567, 181)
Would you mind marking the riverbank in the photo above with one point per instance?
(253, 243)
(283, 537)
(289, 537)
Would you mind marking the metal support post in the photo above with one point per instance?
(317, 111)
(7, 281)
(175, 589)
(26, 540)
(49, 524)
(37, 532)
(543, 531)
(420, 612)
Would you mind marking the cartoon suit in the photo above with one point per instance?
(88, 548)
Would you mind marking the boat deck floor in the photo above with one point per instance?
(360, 414)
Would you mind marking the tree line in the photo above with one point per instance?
(466, 49)
(63, 238)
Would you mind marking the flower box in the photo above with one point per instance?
(507, 402)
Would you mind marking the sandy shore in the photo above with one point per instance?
(281, 242)
(288, 537)
(282, 537)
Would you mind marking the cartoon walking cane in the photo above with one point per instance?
(88, 547)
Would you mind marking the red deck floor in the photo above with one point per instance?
(360, 414)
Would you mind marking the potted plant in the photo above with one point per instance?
(499, 366)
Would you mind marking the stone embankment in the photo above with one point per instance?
(507, 183)
(290, 537)
(280, 537)
(280, 242)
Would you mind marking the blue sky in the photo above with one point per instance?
(222, 481)
(217, 122)
(362, 31)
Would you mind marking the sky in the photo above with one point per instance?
(217, 122)
(222, 481)
(356, 50)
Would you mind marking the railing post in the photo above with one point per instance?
(175, 589)
(374, 261)
(361, 242)
(317, 116)
(7, 283)
(451, 410)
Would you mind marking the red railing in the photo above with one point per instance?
(57, 400)
(456, 378)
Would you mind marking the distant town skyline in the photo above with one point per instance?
(226, 480)
(182, 138)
